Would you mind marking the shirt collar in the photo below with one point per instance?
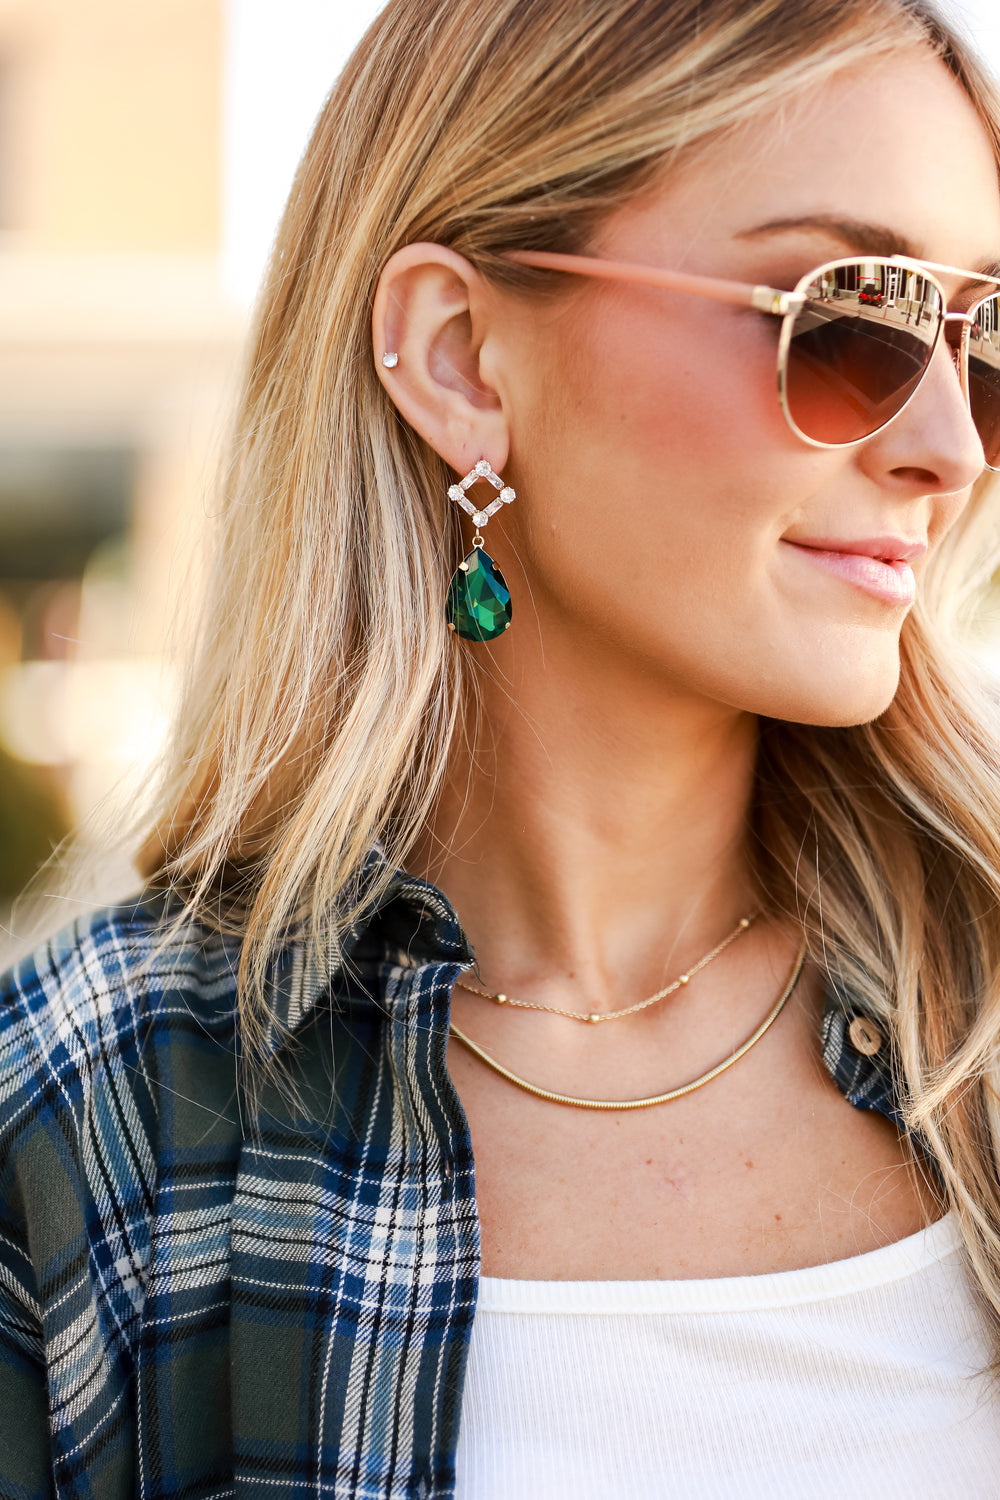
(423, 917)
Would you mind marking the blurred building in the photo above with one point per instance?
(117, 353)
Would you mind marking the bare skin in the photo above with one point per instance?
(596, 847)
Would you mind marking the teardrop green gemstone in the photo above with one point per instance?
(478, 607)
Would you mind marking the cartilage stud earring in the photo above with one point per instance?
(478, 607)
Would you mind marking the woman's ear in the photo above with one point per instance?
(432, 311)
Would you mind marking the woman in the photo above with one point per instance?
(625, 906)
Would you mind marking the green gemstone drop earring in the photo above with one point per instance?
(478, 606)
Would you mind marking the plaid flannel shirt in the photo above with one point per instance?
(192, 1308)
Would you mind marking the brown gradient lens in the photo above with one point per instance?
(859, 348)
(984, 376)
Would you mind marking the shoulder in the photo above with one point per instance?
(102, 1031)
(96, 1029)
(94, 1000)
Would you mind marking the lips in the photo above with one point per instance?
(878, 566)
(885, 548)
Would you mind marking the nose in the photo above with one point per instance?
(932, 446)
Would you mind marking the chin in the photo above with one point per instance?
(832, 694)
(854, 703)
(849, 677)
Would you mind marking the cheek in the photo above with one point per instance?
(658, 475)
(701, 385)
(647, 439)
(947, 510)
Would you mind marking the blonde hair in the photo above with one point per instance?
(321, 705)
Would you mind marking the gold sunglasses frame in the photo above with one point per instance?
(785, 305)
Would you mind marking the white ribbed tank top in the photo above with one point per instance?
(861, 1377)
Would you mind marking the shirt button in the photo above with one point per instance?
(864, 1036)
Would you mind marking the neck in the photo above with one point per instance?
(597, 834)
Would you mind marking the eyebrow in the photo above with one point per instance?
(856, 235)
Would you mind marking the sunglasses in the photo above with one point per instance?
(857, 338)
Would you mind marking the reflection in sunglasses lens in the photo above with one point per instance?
(984, 377)
(859, 348)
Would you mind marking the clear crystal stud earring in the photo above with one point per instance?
(478, 607)
(390, 359)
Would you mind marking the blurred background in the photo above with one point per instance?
(145, 154)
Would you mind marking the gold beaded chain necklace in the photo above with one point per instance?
(594, 1017)
(677, 1093)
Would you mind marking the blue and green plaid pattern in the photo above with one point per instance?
(193, 1307)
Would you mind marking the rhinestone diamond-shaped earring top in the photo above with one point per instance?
(481, 470)
(478, 607)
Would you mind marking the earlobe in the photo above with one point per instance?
(431, 311)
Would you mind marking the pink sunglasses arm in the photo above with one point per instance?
(741, 293)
